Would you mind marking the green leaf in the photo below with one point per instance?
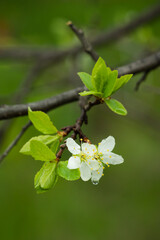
(46, 178)
(99, 75)
(86, 93)
(69, 174)
(39, 151)
(116, 106)
(46, 139)
(86, 79)
(54, 146)
(110, 83)
(42, 122)
(121, 81)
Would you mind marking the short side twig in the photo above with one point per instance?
(141, 80)
(85, 43)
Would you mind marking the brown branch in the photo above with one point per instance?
(7, 112)
(86, 45)
(76, 128)
(142, 79)
(15, 141)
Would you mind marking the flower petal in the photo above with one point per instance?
(96, 175)
(106, 145)
(72, 146)
(112, 158)
(93, 164)
(74, 162)
(85, 172)
(89, 149)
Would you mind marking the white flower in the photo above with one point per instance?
(91, 159)
(105, 155)
(105, 152)
(82, 158)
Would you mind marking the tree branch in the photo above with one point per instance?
(7, 112)
(86, 45)
(15, 141)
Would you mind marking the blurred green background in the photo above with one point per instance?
(125, 204)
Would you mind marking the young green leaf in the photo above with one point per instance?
(42, 122)
(69, 174)
(116, 106)
(99, 75)
(86, 79)
(54, 146)
(46, 139)
(86, 93)
(39, 151)
(46, 178)
(110, 83)
(121, 81)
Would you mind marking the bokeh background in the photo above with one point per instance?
(125, 204)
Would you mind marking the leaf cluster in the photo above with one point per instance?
(44, 148)
(103, 83)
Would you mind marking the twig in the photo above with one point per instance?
(142, 79)
(76, 128)
(15, 141)
(85, 43)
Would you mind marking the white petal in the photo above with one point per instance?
(112, 158)
(93, 164)
(85, 172)
(96, 175)
(72, 146)
(89, 149)
(74, 162)
(106, 145)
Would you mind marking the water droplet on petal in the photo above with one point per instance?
(95, 182)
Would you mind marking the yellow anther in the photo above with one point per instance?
(86, 149)
(74, 147)
(103, 167)
(93, 150)
(81, 139)
(92, 158)
(110, 156)
(91, 168)
(107, 150)
(89, 163)
(102, 174)
(98, 172)
(74, 156)
(99, 143)
(87, 152)
(100, 153)
(108, 165)
(102, 158)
